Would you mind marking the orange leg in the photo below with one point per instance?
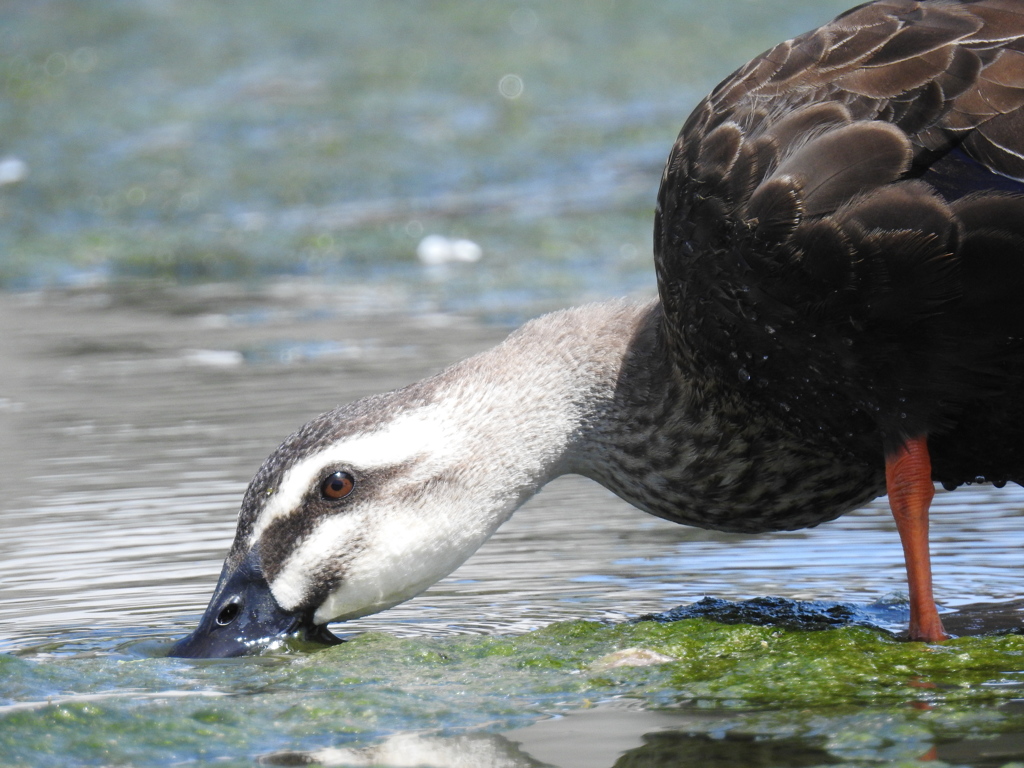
(908, 479)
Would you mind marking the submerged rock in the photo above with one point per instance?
(789, 614)
(630, 657)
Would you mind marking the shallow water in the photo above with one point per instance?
(136, 431)
(131, 431)
(236, 140)
(213, 239)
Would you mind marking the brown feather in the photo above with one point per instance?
(810, 120)
(1006, 69)
(845, 162)
(917, 110)
(775, 208)
(750, 168)
(801, 59)
(826, 253)
(999, 143)
(991, 213)
(718, 152)
(1001, 98)
(857, 35)
(938, 31)
(863, 198)
(1003, 21)
(905, 205)
(891, 80)
(750, 78)
(913, 276)
(961, 74)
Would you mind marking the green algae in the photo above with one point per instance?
(760, 665)
(853, 691)
(738, 665)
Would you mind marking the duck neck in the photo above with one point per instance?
(593, 391)
(561, 395)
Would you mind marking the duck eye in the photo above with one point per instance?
(337, 486)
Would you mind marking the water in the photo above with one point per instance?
(233, 141)
(133, 430)
(212, 238)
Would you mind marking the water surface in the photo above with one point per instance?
(211, 237)
(132, 431)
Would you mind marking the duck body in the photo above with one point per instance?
(839, 245)
(840, 235)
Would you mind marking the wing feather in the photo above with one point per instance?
(862, 182)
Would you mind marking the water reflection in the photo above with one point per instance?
(620, 734)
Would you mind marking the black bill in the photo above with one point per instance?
(243, 617)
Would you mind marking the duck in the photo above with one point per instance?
(839, 251)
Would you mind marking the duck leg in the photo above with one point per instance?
(908, 480)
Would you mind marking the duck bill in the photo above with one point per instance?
(243, 617)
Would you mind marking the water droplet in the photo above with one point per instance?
(511, 86)
(734, 356)
(744, 376)
(979, 479)
(770, 330)
(999, 483)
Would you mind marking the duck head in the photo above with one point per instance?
(348, 517)
(367, 506)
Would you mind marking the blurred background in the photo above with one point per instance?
(153, 142)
